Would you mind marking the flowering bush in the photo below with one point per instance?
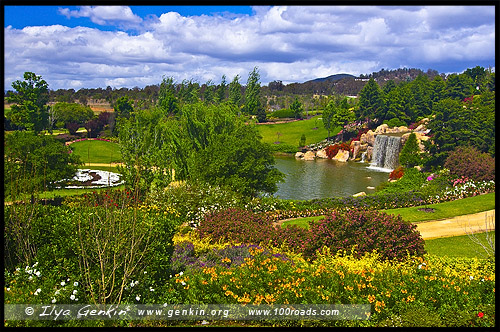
(366, 230)
(467, 161)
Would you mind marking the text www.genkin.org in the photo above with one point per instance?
(189, 312)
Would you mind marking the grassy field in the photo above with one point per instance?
(458, 246)
(447, 209)
(94, 151)
(291, 132)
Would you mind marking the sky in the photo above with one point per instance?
(135, 46)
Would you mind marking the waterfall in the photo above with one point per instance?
(386, 151)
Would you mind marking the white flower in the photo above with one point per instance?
(54, 300)
(75, 291)
(35, 264)
(145, 272)
(8, 289)
(151, 289)
(63, 283)
(183, 283)
(181, 273)
(138, 298)
(57, 292)
(37, 273)
(471, 277)
(38, 291)
(72, 297)
(75, 283)
(30, 277)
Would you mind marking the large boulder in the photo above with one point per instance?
(355, 147)
(299, 155)
(368, 138)
(321, 154)
(342, 156)
(309, 155)
(382, 129)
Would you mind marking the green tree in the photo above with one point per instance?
(459, 86)
(29, 110)
(370, 104)
(223, 150)
(166, 96)
(72, 115)
(342, 116)
(297, 108)
(252, 93)
(235, 95)
(410, 153)
(123, 107)
(221, 89)
(34, 163)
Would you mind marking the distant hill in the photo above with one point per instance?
(332, 78)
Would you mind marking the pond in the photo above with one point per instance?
(323, 178)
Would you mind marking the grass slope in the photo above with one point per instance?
(95, 151)
(291, 132)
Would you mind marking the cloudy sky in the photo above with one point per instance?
(120, 46)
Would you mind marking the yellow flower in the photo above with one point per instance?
(349, 288)
(371, 298)
(226, 260)
(379, 305)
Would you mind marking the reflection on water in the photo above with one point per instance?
(325, 178)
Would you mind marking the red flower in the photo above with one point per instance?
(480, 315)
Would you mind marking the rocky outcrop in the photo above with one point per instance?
(322, 154)
(309, 155)
(342, 155)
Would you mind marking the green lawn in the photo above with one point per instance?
(95, 151)
(291, 132)
(458, 246)
(450, 209)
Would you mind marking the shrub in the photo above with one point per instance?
(396, 174)
(367, 230)
(411, 179)
(410, 154)
(236, 225)
(332, 150)
(469, 162)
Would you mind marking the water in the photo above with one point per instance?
(386, 152)
(323, 178)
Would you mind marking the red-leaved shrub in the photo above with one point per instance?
(368, 230)
(332, 150)
(397, 173)
(469, 162)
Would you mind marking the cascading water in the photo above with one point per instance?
(386, 152)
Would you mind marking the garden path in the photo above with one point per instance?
(459, 225)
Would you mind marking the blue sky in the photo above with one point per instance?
(127, 46)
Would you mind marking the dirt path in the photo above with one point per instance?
(460, 225)
(103, 164)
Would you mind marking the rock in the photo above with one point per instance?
(299, 155)
(321, 154)
(359, 194)
(370, 137)
(342, 155)
(382, 129)
(355, 147)
(309, 155)
(403, 129)
(371, 188)
(369, 153)
(419, 168)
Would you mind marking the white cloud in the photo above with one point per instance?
(290, 43)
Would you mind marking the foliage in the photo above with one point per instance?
(460, 123)
(332, 150)
(29, 110)
(370, 103)
(72, 115)
(396, 174)
(296, 108)
(167, 101)
(283, 113)
(35, 163)
(410, 153)
(467, 161)
(207, 143)
(366, 230)
(123, 107)
(252, 93)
